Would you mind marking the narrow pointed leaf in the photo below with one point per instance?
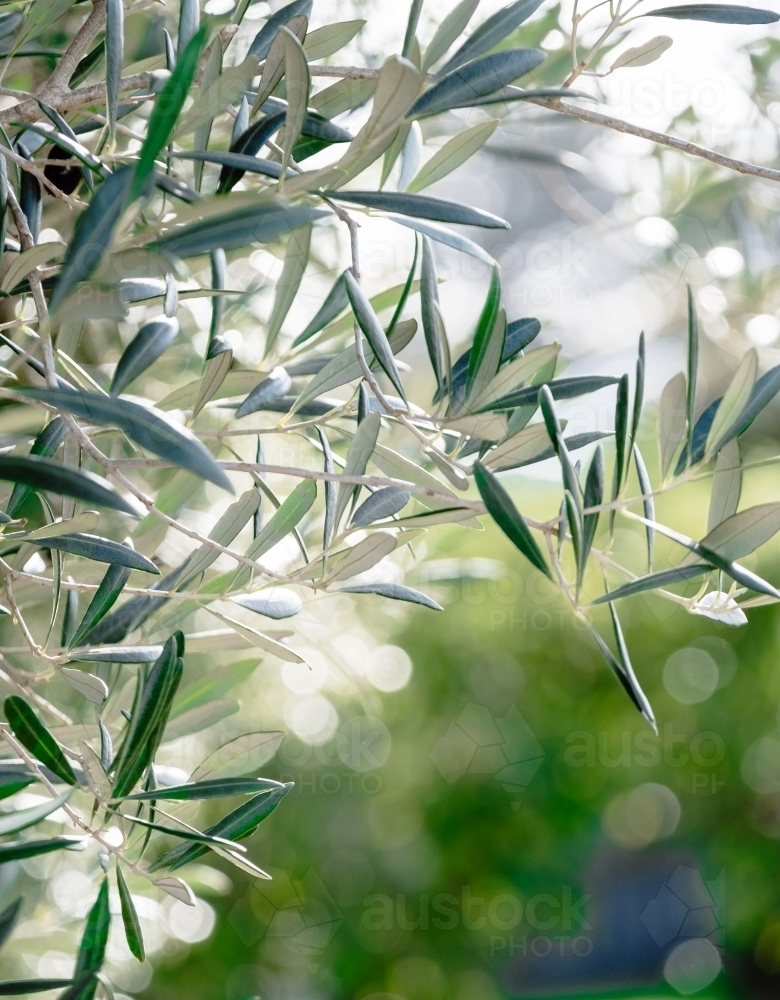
(648, 503)
(15, 987)
(406, 292)
(383, 503)
(147, 428)
(33, 735)
(476, 79)
(562, 388)
(214, 788)
(92, 951)
(224, 531)
(263, 39)
(297, 84)
(394, 591)
(429, 297)
(487, 349)
(167, 108)
(329, 521)
(743, 533)
(593, 497)
(420, 206)
(236, 228)
(639, 392)
(734, 570)
(44, 446)
(447, 237)
(360, 451)
(693, 366)
(149, 717)
(721, 13)
(671, 420)
(101, 550)
(276, 385)
(118, 654)
(20, 820)
(491, 32)
(295, 260)
(509, 519)
(92, 235)
(149, 344)
(8, 919)
(663, 578)
(453, 153)
(237, 825)
(286, 518)
(449, 30)
(726, 485)
(336, 301)
(19, 850)
(372, 328)
(133, 932)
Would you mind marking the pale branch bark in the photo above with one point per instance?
(70, 100)
(345, 72)
(660, 138)
(78, 48)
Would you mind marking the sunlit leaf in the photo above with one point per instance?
(239, 756)
(21, 819)
(360, 451)
(295, 260)
(671, 420)
(297, 82)
(453, 153)
(642, 55)
(450, 29)
(277, 603)
(330, 38)
(726, 485)
(91, 687)
(363, 556)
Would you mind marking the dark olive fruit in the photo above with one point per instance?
(65, 178)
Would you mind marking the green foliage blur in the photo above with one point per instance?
(360, 855)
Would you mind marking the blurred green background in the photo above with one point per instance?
(398, 874)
